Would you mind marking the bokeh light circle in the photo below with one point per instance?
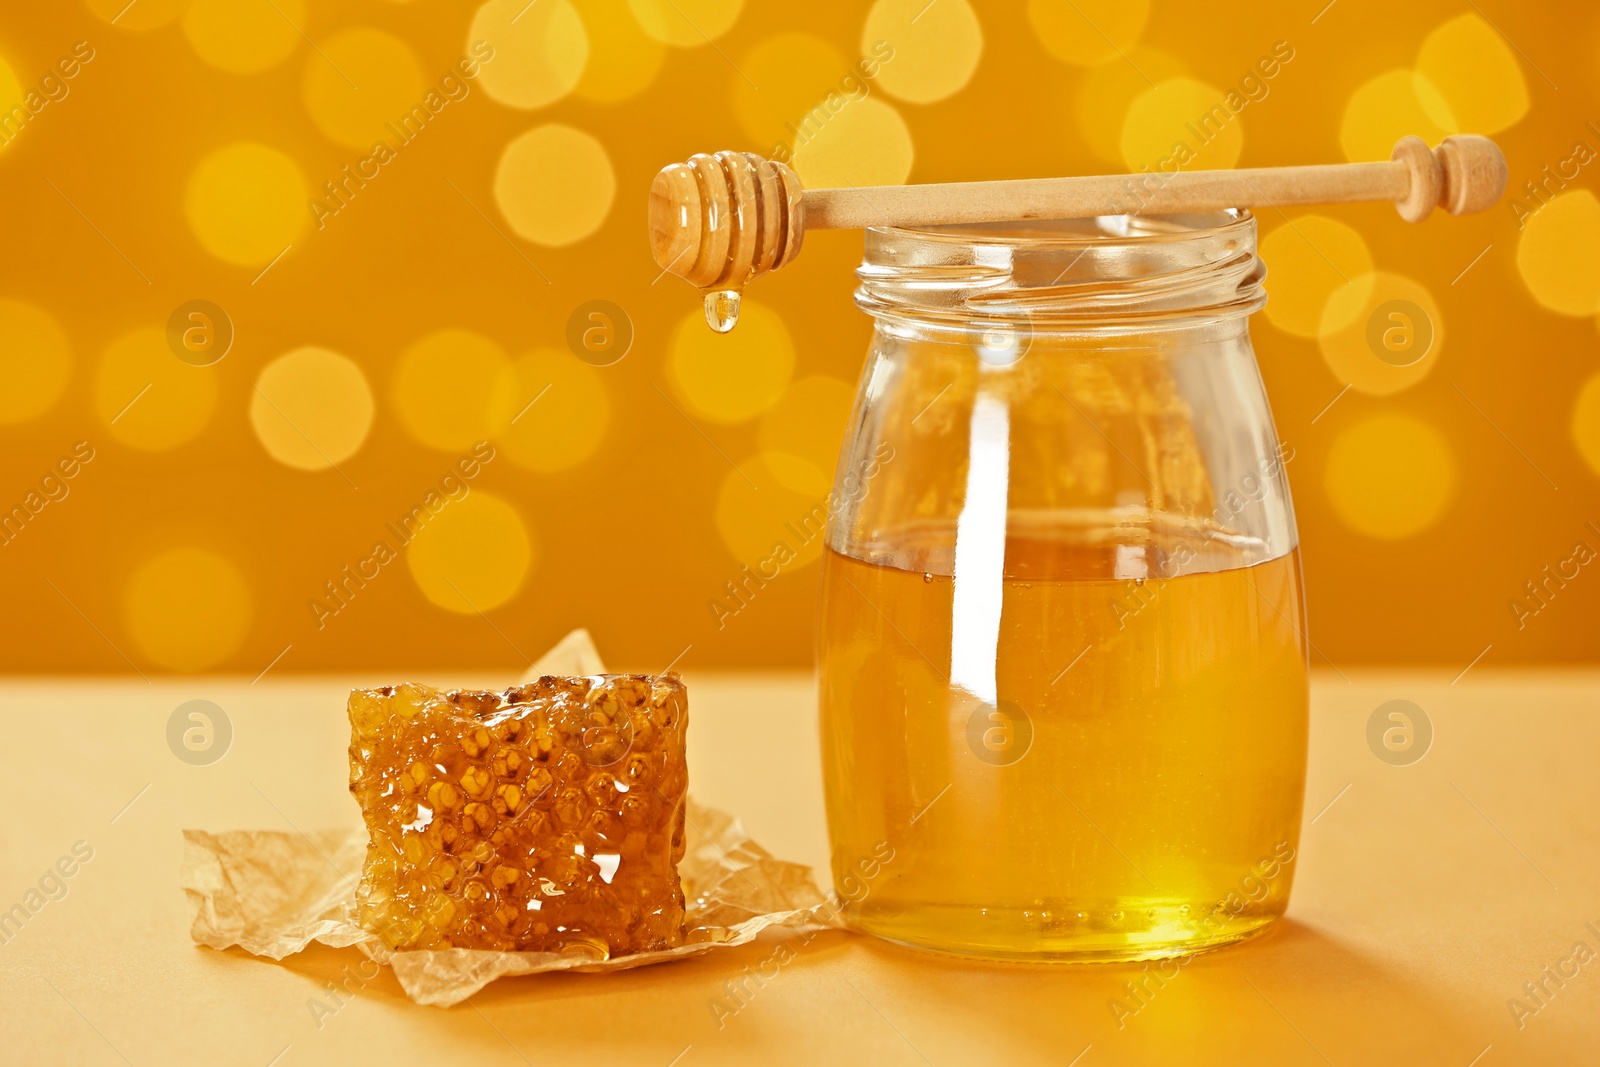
(686, 23)
(555, 185)
(1388, 107)
(1586, 422)
(311, 408)
(246, 203)
(187, 609)
(1382, 333)
(765, 523)
(1476, 72)
(473, 555)
(864, 142)
(358, 82)
(540, 50)
(1309, 258)
(549, 411)
(1181, 124)
(243, 36)
(442, 387)
(1105, 91)
(1558, 254)
(808, 422)
(35, 362)
(148, 399)
(1390, 476)
(732, 377)
(936, 47)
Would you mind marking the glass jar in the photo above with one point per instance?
(1062, 654)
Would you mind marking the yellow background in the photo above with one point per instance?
(431, 310)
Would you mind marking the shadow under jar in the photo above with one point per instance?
(1062, 651)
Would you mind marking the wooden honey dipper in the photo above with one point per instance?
(720, 220)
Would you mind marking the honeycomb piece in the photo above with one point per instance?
(548, 818)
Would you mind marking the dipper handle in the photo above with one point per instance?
(720, 220)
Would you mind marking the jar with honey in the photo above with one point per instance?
(1062, 640)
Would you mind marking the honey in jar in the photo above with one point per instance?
(1062, 651)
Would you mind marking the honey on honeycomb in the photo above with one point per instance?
(547, 818)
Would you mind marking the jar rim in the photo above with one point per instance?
(1116, 273)
(1118, 229)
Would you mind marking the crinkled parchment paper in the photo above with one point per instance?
(272, 893)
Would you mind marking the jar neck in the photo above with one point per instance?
(1126, 274)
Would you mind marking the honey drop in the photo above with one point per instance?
(722, 309)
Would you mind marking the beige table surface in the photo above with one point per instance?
(1426, 896)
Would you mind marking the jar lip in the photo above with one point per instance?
(1114, 273)
(1102, 230)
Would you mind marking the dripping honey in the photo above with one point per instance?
(1156, 806)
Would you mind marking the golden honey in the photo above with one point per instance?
(1131, 789)
(547, 818)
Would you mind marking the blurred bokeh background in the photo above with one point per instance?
(273, 268)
